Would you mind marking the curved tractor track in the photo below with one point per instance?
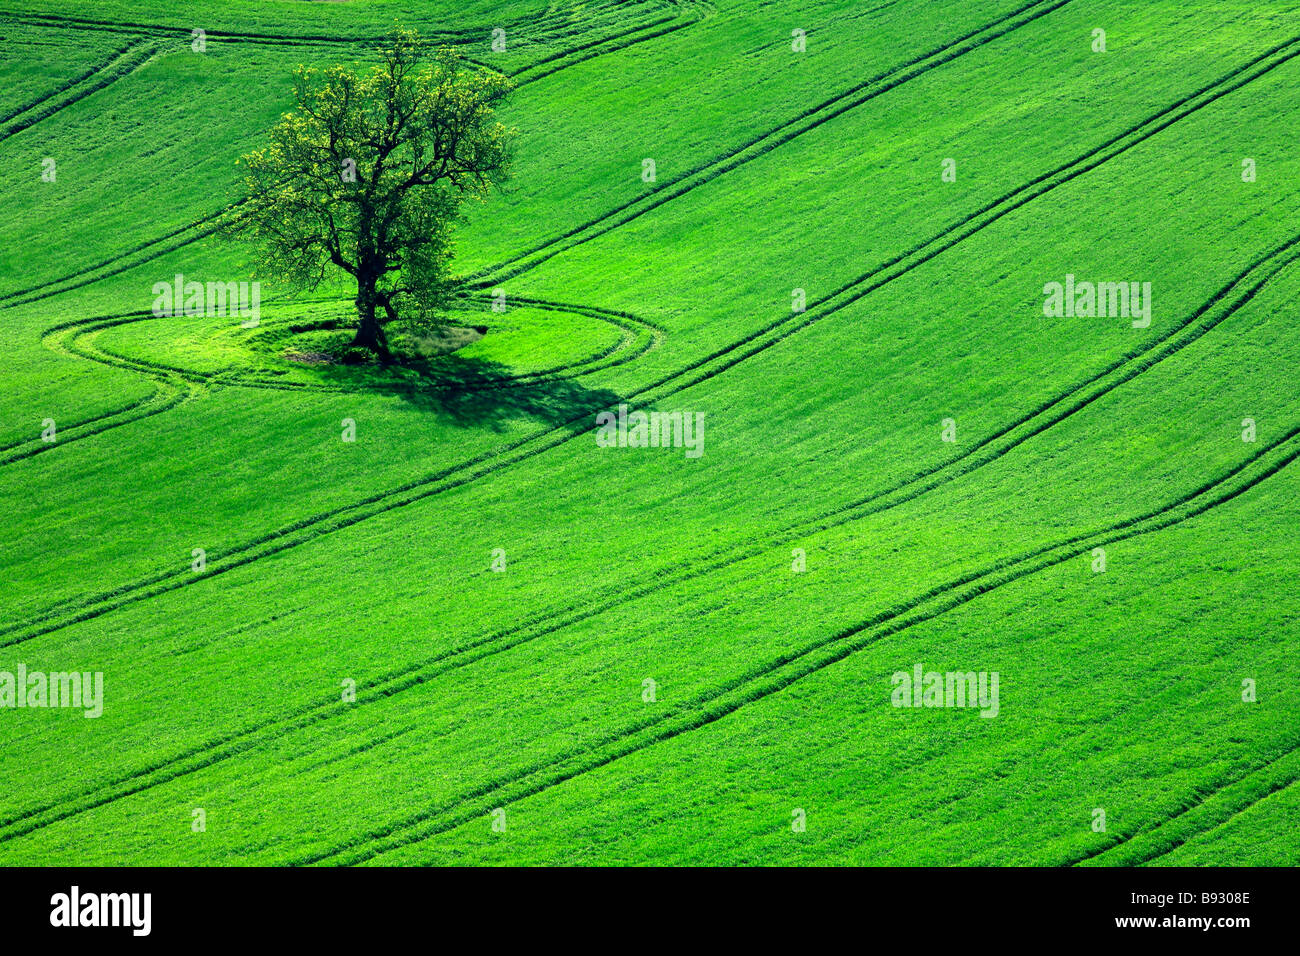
(175, 385)
(638, 337)
(171, 389)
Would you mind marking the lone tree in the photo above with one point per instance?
(367, 174)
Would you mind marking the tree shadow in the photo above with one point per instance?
(480, 393)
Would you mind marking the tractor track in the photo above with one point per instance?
(207, 225)
(63, 87)
(1271, 791)
(1199, 802)
(123, 63)
(526, 75)
(163, 399)
(599, 41)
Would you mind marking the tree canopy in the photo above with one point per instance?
(367, 173)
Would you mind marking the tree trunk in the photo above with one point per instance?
(369, 333)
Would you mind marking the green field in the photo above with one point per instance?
(565, 653)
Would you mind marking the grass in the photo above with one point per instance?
(370, 561)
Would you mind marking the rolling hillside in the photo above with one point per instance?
(567, 653)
